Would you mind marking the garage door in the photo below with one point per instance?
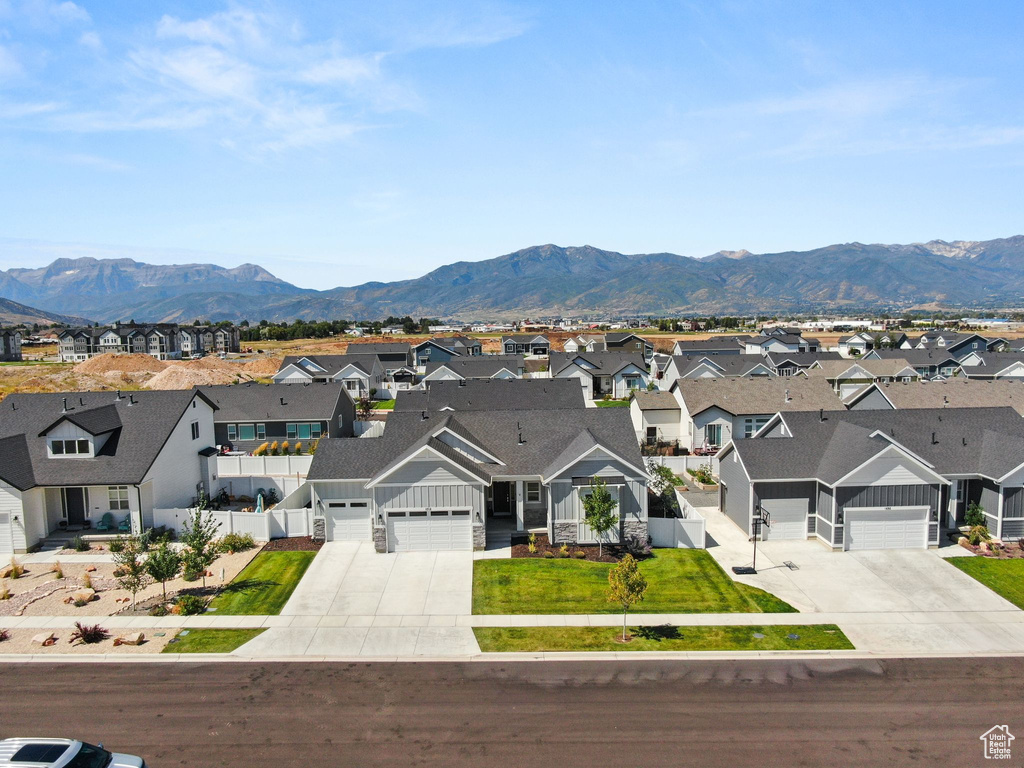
(893, 528)
(348, 521)
(788, 519)
(417, 530)
(6, 539)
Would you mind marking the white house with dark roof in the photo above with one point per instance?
(359, 374)
(67, 460)
(713, 367)
(526, 344)
(612, 374)
(470, 368)
(656, 417)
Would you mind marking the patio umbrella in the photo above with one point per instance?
(259, 503)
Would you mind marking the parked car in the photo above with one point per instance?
(63, 753)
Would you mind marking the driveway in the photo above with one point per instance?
(354, 601)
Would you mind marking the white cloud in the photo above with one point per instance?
(349, 70)
(92, 41)
(48, 13)
(204, 70)
(490, 25)
(10, 67)
(16, 111)
(238, 26)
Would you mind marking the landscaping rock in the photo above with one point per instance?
(5, 572)
(136, 638)
(85, 594)
(44, 639)
(91, 569)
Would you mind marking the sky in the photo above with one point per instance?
(339, 142)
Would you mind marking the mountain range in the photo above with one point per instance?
(549, 280)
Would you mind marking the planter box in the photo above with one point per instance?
(706, 486)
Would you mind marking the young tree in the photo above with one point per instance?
(197, 535)
(163, 564)
(364, 408)
(663, 479)
(599, 510)
(626, 586)
(129, 567)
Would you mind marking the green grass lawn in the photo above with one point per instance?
(264, 585)
(211, 640)
(535, 639)
(679, 581)
(384, 405)
(612, 403)
(1004, 577)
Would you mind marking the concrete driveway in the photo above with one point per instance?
(351, 579)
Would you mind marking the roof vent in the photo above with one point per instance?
(788, 398)
(64, 408)
(521, 441)
(934, 440)
(965, 441)
(423, 416)
(118, 396)
(81, 401)
(131, 399)
(283, 402)
(821, 415)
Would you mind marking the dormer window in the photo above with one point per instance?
(70, 448)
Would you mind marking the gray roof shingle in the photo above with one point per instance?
(253, 401)
(494, 395)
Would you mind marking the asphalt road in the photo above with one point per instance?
(764, 713)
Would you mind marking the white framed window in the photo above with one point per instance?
(70, 448)
(533, 492)
(304, 431)
(195, 430)
(118, 497)
(232, 433)
(752, 425)
(713, 434)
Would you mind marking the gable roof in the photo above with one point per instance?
(655, 400)
(729, 343)
(253, 401)
(799, 359)
(603, 363)
(760, 395)
(493, 394)
(833, 369)
(144, 419)
(726, 365)
(330, 364)
(478, 366)
(951, 393)
(385, 348)
(526, 338)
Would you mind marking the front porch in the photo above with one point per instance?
(517, 505)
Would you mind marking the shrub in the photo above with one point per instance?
(17, 569)
(5, 634)
(563, 551)
(638, 546)
(88, 633)
(275, 449)
(312, 447)
(978, 534)
(236, 542)
(190, 605)
(117, 545)
(5, 592)
(271, 497)
(262, 450)
(163, 565)
(1020, 544)
(298, 448)
(79, 544)
(158, 610)
(703, 474)
(579, 554)
(975, 515)
(56, 570)
(532, 545)
(87, 580)
(549, 554)
(285, 447)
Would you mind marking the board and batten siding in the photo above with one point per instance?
(10, 505)
(989, 501)
(823, 518)
(1013, 503)
(802, 490)
(736, 489)
(339, 490)
(177, 471)
(460, 496)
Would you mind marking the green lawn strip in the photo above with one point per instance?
(1004, 577)
(811, 637)
(679, 581)
(612, 403)
(384, 405)
(264, 585)
(212, 640)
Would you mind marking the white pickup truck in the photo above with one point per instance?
(62, 753)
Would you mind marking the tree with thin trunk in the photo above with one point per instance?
(626, 586)
(163, 564)
(198, 535)
(599, 510)
(130, 568)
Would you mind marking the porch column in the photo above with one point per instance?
(519, 505)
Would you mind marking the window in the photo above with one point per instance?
(118, 497)
(69, 447)
(232, 433)
(351, 385)
(632, 382)
(752, 425)
(713, 434)
(652, 435)
(246, 432)
(533, 492)
(195, 430)
(308, 431)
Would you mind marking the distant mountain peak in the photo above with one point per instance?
(742, 253)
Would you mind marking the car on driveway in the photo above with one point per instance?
(63, 753)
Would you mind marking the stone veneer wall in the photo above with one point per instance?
(319, 529)
(380, 538)
(634, 528)
(565, 533)
(479, 537)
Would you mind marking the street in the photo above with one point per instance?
(728, 713)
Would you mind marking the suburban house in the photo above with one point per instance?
(585, 343)
(856, 480)
(468, 368)
(959, 344)
(629, 342)
(861, 342)
(993, 365)
(251, 414)
(69, 459)
(715, 411)
(929, 363)
(713, 367)
(779, 340)
(848, 376)
(953, 393)
(612, 374)
(525, 344)
(10, 345)
(656, 416)
(358, 373)
(721, 345)
(493, 395)
(392, 354)
(441, 479)
(795, 363)
(444, 348)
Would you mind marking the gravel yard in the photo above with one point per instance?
(20, 641)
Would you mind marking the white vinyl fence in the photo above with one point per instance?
(276, 524)
(368, 428)
(679, 464)
(684, 532)
(263, 466)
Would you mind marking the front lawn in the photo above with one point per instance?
(814, 637)
(1004, 577)
(264, 585)
(679, 581)
(384, 405)
(211, 640)
(612, 403)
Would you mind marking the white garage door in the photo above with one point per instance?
(416, 530)
(893, 528)
(788, 519)
(348, 521)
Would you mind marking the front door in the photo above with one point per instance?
(503, 499)
(74, 506)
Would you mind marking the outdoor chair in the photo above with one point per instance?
(106, 522)
(125, 526)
